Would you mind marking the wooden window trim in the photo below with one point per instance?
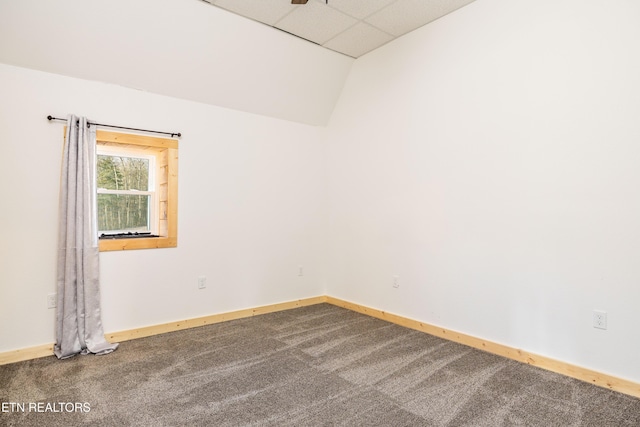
(167, 152)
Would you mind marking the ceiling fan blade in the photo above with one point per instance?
(299, 1)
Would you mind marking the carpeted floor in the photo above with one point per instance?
(314, 366)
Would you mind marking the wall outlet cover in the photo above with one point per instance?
(600, 319)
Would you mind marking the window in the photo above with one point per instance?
(126, 194)
(137, 179)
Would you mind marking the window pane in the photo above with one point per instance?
(118, 212)
(123, 173)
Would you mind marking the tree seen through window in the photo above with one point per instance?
(120, 207)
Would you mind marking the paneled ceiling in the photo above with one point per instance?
(351, 27)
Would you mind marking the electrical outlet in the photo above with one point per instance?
(52, 300)
(300, 271)
(202, 282)
(396, 281)
(599, 319)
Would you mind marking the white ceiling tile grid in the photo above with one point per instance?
(359, 9)
(316, 22)
(266, 11)
(403, 16)
(351, 27)
(358, 40)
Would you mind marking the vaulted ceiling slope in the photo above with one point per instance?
(351, 27)
(190, 50)
(180, 48)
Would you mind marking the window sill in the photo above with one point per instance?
(140, 243)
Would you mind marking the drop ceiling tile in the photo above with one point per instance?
(315, 22)
(406, 15)
(359, 9)
(358, 40)
(323, 23)
(267, 11)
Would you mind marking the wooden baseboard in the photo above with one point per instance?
(210, 320)
(567, 369)
(23, 354)
(573, 371)
(20, 355)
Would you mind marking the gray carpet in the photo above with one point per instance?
(314, 366)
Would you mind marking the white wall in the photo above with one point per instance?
(181, 48)
(251, 208)
(491, 160)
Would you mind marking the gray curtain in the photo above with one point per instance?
(79, 324)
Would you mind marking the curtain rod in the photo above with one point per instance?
(172, 134)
